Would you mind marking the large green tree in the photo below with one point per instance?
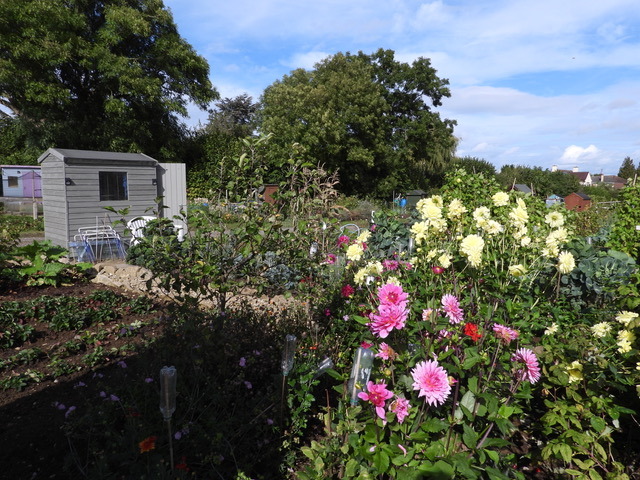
(98, 74)
(627, 169)
(368, 116)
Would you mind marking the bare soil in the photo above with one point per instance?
(32, 445)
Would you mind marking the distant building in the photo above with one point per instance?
(553, 199)
(577, 201)
(583, 177)
(612, 181)
(20, 181)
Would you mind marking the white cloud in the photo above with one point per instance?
(481, 47)
(579, 155)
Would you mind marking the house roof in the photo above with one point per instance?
(583, 196)
(521, 187)
(614, 179)
(581, 176)
(66, 154)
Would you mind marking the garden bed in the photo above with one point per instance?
(39, 375)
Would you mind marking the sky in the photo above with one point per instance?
(534, 83)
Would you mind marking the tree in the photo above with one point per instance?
(543, 182)
(212, 168)
(475, 165)
(98, 74)
(627, 169)
(366, 116)
(234, 116)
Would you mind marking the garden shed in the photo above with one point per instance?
(414, 196)
(77, 185)
(577, 201)
(20, 181)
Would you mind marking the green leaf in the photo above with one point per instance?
(433, 425)
(492, 454)
(594, 475)
(381, 460)
(441, 470)
(351, 467)
(598, 424)
(469, 436)
(564, 451)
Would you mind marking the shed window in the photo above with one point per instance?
(113, 186)
(12, 181)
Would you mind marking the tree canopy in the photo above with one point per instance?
(474, 165)
(542, 182)
(234, 116)
(368, 116)
(98, 74)
(627, 169)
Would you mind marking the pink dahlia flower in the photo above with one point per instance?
(451, 307)
(505, 334)
(385, 352)
(390, 265)
(347, 291)
(531, 370)
(391, 294)
(377, 394)
(343, 240)
(432, 381)
(400, 406)
(388, 318)
(331, 259)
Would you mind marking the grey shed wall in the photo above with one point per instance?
(172, 186)
(69, 207)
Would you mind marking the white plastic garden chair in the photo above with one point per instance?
(350, 228)
(136, 227)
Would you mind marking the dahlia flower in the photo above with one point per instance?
(451, 307)
(432, 382)
(530, 371)
(377, 394)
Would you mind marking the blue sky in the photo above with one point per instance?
(533, 83)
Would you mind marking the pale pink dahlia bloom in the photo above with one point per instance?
(385, 352)
(432, 382)
(391, 294)
(377, 394)
(388, 318)
(531, 370)
(451, 307)
(505, 333)
(400, 406)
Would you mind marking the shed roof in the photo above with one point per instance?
(65, 154)
(21, 167)
(521, 187)
(584, 196)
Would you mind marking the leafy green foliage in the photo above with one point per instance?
(568, 425)
(369, 116)
(475, 165)
(624, 236)
(598, 274)
(39, 264)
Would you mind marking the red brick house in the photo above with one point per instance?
(577, 201)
